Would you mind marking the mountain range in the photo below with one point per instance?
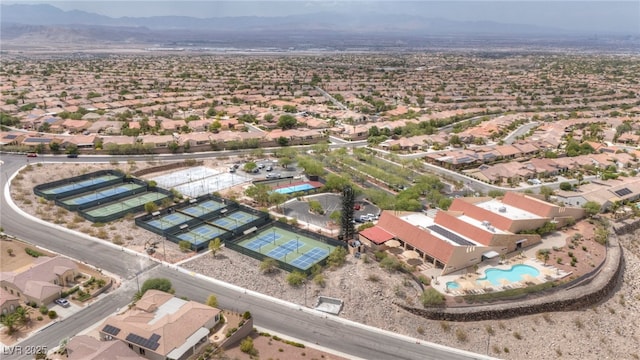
(22, 23)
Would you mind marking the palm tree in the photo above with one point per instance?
(23, 315)
(10, 322)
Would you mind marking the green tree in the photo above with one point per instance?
(565, 186)
(54, 146)
(547, 192)
(337, 257)
(23, 314)
(283, 141)
(214, 246)
(336, 216)
(150, 207)
(161, 284)
(9, 321)
(259, 193)
(249, 166)
(212, 301)
(215, 126)
(72, 149)
(287, 121)
(592, 208)
(311, 166)
(173, 147)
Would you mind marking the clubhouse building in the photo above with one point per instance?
(472, 229)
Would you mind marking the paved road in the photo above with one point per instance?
(273, 314)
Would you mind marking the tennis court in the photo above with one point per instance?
(234, 220)
(79, 185)
(101, 194)
(202, 208)
(208, 185)
(125, 204)
(169, 220)
(184, 176)
(295, 249)
(200, 234)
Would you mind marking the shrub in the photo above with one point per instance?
(246, 315)
(296, 278)
(461, 335)
(517, 335)
(184, 245)
(391, 264)
(319, 280)
(380, 255)
(373, 278)
(337, 257)
(52, 314)
(246, 346)
(231, 332)
(445, 326)
(268, 266)
(431, 297)
(424, 280)
(39, 318)
(33, 253)
(43, 310)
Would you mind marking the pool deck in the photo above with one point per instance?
(467, 278)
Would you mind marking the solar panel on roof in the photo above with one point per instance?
(449, 235)
(622, 192)
(111, 330)
(151, 343)
(37, 140)
(11, 136)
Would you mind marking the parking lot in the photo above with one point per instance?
(330, 203)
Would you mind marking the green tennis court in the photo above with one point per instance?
(169, 220)
(234, 220)
(200, 234)
(79, 185)
(203, 208)
(297, 250)
(125, 204)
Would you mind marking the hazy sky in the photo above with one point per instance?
(590, 15)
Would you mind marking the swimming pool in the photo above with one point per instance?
(295, 188)
(452, 285)
(514, 274)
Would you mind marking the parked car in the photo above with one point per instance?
(62, 302)
(72, 156)
(269, 168)
(32, 155)
(372, 217)
(260, 166)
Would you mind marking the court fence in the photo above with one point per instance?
(73, 207)
(39, 190)
(117, 215)
(235, 245)
(171, 233)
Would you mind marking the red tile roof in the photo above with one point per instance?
(376, 234)
(416, 237)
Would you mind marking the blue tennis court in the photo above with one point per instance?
(169, 220)
(102, 194)
(265, 239)
(80, 184)
(211, 205)
(309, 258)
(283, 250)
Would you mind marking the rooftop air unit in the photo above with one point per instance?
(502, 209)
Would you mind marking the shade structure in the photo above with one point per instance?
(392, 243)
(411, 254)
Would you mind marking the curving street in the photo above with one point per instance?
(355, 340)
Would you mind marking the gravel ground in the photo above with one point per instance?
(606, 331)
